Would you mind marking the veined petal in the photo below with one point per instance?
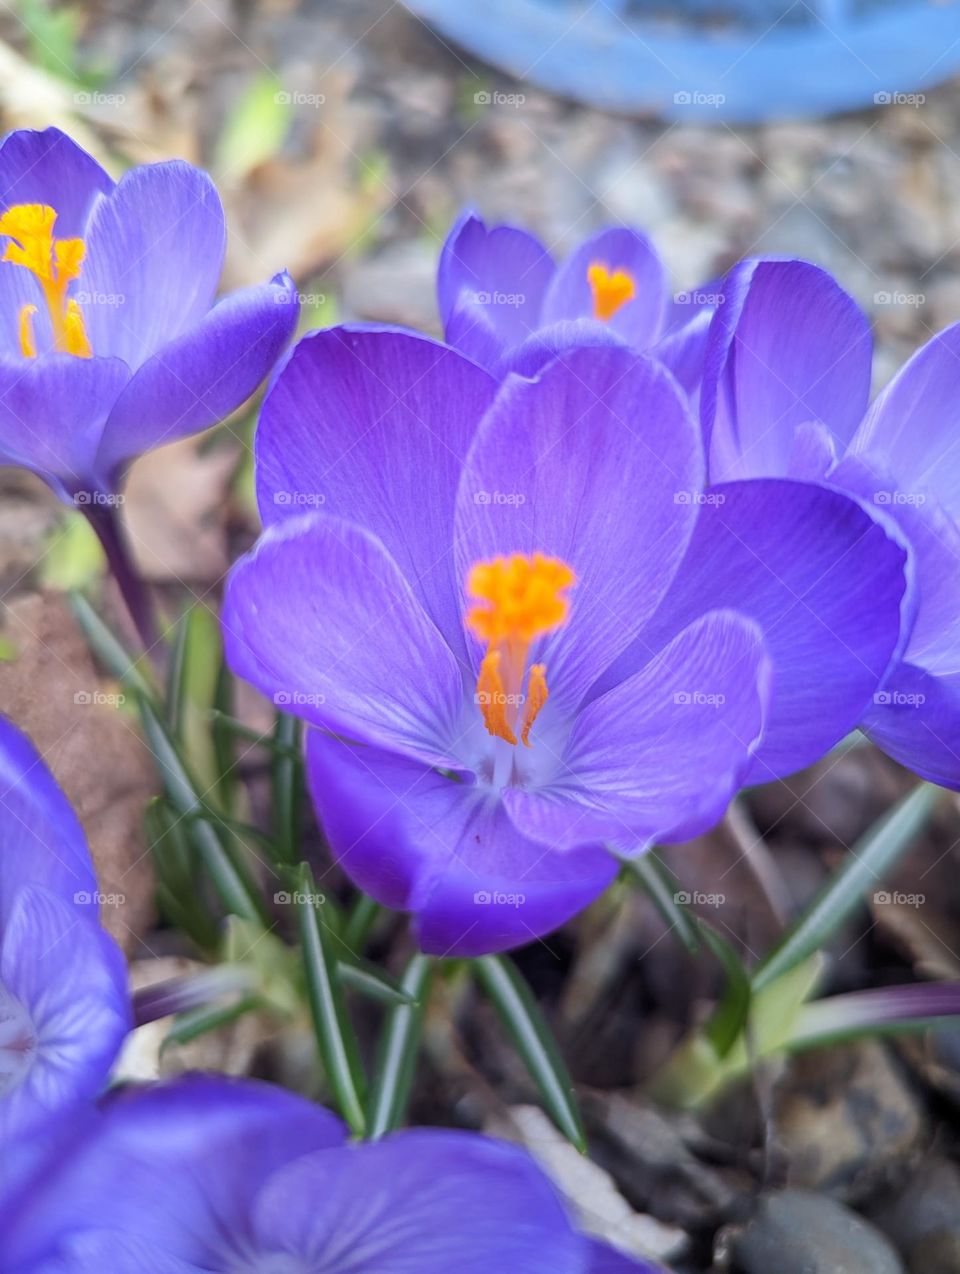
(418, 841)
(827, 585)
(594, 463)
(202, 376)
(492, 279)
(426, 1200)
(660, 756)
(915, 719)
(154, 255)
(353, 424)
(48, 167)
(638, 320)
(530, 358)
(319, 618)
(787, 346)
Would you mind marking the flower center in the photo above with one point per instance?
(611, 289)
(54, 263)
(518, 598)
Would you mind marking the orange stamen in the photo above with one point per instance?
(611, 289)
(518, 598)
(55, 263)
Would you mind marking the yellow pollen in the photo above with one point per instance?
(54, 263)
(517, 599)
(611, 290)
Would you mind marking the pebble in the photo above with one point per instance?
(797, 1232)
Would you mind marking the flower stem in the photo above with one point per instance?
(105, 521)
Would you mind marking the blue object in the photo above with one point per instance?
(710, 60)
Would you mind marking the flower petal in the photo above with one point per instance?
(356, 420)
(915, 719)
(637, 321)
(914, 424)
(418, 841)
(70, 979)
(49, 167)
(530, 358)
(202, 376)
(787, 346)
(595, 463)
(318, 617)
(52, 412)
(154, 254)
(425, 1200)
(660, 756)
(826, 584)
(490, 287)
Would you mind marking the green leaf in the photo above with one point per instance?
(520, 1014)
(256, 129)
(730, 1015)
(666, 895)
(227, 872)
(74, 558)
(196, 1022)
(872, 858)
(399, 1045)
(110, 652)
(336, 1041)
(370, 980)
(192, 686)
(287, 776)
(362, 917)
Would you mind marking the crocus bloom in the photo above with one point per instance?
(63, 1003)
(108, 342)
(786, 391)
(213, 1174)
(505, 303)
(521, 630)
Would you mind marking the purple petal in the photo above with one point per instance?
(319, 618)
(684, 351)
(203, 375)
(48, 167)
(638, 321)
(67, 980)
(594, 463)
(108, 1249)
(353, 424)
(424, 1200)
(914, 719)
(154, 254)
(826, 584)
(914, 425)
(787, 346)
(660, 756)
(43, 843)
(418, 841)
(490, 287)
(52, 412)
(530, 358)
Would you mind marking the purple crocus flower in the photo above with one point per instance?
(524, 632)
(507, 305)
(108, 342)
(786, 392)
(236, 1176)
(63, 1002)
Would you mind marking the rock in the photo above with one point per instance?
(797, 1232)
(923, 1218)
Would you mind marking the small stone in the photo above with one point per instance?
(923, 1218)
(798, 1232)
